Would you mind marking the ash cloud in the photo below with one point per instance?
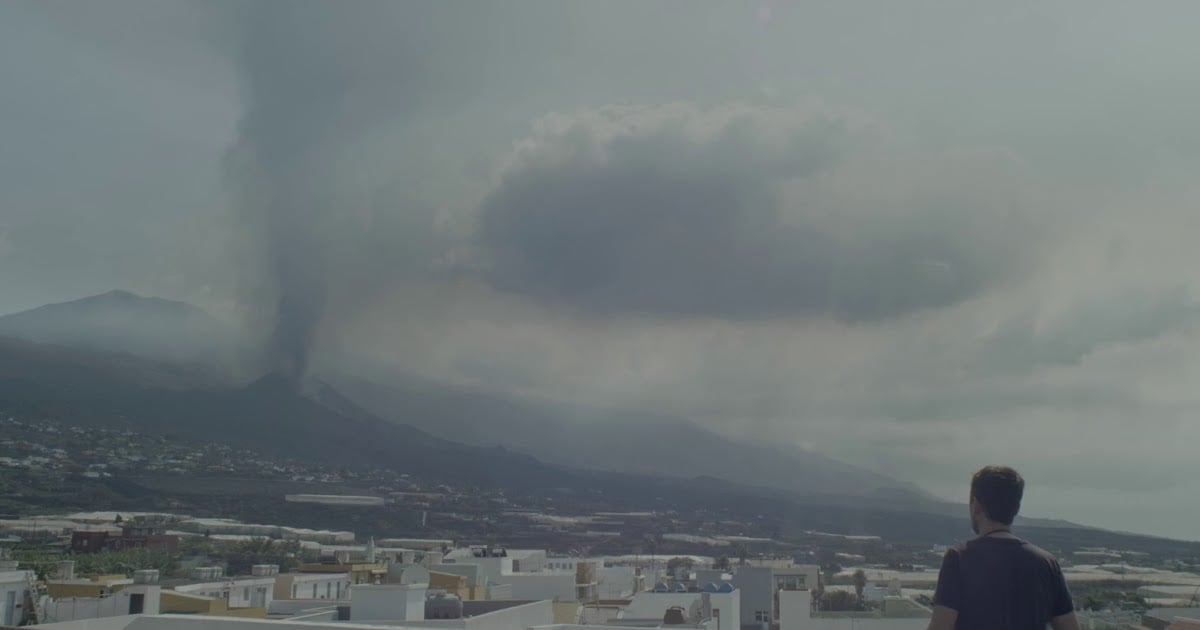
(744, 213)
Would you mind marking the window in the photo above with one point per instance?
(790, 583)
(328, 589)
(246, 593)
(294, 591)
(314, 591)
(762, 615)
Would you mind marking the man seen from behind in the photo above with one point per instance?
(998, 581)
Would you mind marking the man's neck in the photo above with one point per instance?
(996, 530)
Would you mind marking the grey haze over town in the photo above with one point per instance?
(915, 237)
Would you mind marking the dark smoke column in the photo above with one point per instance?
(321, 81)
(304, 80)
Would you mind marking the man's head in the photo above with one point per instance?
(995, 496)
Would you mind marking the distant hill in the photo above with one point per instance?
(120, 321)
(653, 445)
(615, 439)
(597, 439)
(161, 347)
(87, 387)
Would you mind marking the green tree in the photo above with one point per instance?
(240, 556)
(42, 563)
(860, 582)
(125, 562)
(839, 600)
(195, 546)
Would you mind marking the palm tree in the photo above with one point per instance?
(860, 582)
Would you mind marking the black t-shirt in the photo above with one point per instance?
(1002, 584)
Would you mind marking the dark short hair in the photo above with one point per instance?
(998, 490)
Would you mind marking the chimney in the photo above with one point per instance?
(66, 570)
(145, 576)
(207, 573)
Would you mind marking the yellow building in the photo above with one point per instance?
(173, 602)
(359, 572)
(455, 585)
(98, 586)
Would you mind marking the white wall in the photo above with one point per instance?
(104, 623)
(313, 585)
(115, 605)
(574, 626)
(730, 605)
(515, 618)
(551, 586)
(499, 591)
(298, 606)
(650, 605)
(388, 602)
(757, 585)
(614, 582)
(473, 572)
(13, 584)
(860, 623)
(238, 593)
(531, 560)
(795, 608)
(493, 568)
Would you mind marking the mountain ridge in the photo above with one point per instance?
(90, 385)
(606, 439)
(270, 414)
(122, 321)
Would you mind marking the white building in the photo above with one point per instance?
(312, 586)
(757, 585)
(523, 574)
(617, 582)
(723, 610)
(135, 599)
(14, 589)
(256, 591)
(760, 587)
(476, 616)
(388, 602)
(529, 560)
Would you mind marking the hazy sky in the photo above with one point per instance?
(918, 236)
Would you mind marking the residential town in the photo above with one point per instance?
(452, 556)
(143, 570)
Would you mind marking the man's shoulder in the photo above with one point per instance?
(985, 546)
(1037, 551)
